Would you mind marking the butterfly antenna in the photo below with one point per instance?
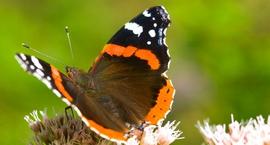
(69, 41)
(41, 53)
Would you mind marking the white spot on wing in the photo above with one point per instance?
(94, 129)
(38, 71)
(164, 41)
(32, 67)
(165, 31)
(66, 101)
(87, 123)
(169, 63)
(165, 75)
(149, 42)
(56, 93)
(155, 25)
(106, 137)
(23, 56)
(146, 13)
(37, 75)
(47, 83)
(154, 18)
(36, 62)
(77, 110)
(22, 64)
(160, 40)
(134, 27)
(152, 33)
(166, 12)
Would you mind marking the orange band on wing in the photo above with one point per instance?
(147, 55)
(113, 49)
(58, 83)
(144, 54)
(163, 104)
(129, 51)
(109, 133)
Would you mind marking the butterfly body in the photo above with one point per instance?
(127, 86)
(81, 78)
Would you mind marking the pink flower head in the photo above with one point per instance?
(253, 132)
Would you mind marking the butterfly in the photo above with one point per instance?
(127, 85)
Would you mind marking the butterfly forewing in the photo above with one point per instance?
(56, 81)
(145, 37)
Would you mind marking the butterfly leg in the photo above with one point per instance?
(142, 126)
(66, 111)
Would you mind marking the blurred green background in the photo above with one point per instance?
(220, 53)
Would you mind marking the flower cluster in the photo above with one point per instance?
(61, 129)
(158, 135)
(67, 130)
(253, 132)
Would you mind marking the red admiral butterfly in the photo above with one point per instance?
(127, 85)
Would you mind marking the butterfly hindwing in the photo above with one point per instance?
(135, 87)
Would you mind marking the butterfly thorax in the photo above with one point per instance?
(81, 78)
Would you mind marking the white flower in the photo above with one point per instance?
(133, 141)
(168, 133)
(161, 135)
(34, 117)
(150, 136)
(253, 132)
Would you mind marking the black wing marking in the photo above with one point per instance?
(147, 31)
(43, 72)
